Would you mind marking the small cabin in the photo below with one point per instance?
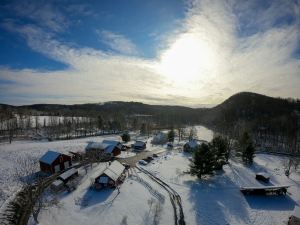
(112, 176)
(264, 177)
(190, 146)
(52, 162)
(139, 145)
(295, 217)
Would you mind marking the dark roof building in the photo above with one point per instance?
(53, 162)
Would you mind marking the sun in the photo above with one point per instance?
(189, 58)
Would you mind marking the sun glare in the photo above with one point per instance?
(189, 58)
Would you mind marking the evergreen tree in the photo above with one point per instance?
(171, 135)
(125, 137)
(221, 150)
(203, 161)
(246, 148)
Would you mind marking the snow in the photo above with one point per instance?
(96, 145)
(210, 201)
(49, 157)
(107, 145)
(111, 142)
(11, 153)
(133, 203)
(296, 212)
(57, 183)
(125, 154)
(218, 200)
(213, 200)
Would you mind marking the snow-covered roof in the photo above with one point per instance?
(265, 187)
(57, 183)
(68, 173)
(296, 212)
(49, 157)
(107, 145)
(115, 170)
(111, 142)
(192, 143)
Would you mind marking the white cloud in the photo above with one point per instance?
(118, 42)
(259, 61)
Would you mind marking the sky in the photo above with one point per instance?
(174, 52)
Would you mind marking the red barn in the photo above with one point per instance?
(53, 162)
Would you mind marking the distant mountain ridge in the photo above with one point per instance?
(245, 106)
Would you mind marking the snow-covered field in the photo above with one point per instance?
(214, 200)
(217, 200)
(210, 201)
(10, 153)
(133, 203)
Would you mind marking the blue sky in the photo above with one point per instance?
(183, 52)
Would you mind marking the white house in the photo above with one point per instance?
(160, 138)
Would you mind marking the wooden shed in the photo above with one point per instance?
(112, 176)
(52, 162)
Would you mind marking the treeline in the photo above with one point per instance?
(274, 123)
(24, 126)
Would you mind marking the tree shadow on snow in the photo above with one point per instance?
(216, 199)
(280, 203)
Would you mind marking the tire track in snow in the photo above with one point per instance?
(174, 197)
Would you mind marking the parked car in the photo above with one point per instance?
(143, 162)
(264, 177)
(150, 158)
(147, 160)
(155, 155)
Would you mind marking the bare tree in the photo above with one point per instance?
(291, 165)
(26, 174)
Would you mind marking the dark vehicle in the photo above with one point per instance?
(155, 155)
(147, 160)
(264, 177)
(150, 158)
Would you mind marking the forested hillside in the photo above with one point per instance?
(265, 117)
